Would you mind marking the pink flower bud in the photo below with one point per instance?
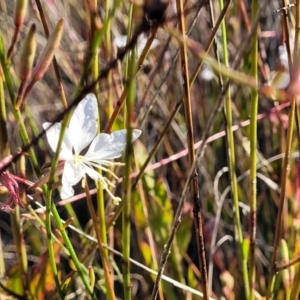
(20, 12)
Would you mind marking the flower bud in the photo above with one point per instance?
(48, 52)
(71, 264)
(20, 12)
(27, 55)
(92, 276)
(91, 6)
(13, 188)
(65, 284)
(287, 274)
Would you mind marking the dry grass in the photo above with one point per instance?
(155, 198)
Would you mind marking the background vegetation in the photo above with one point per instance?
(228, 228)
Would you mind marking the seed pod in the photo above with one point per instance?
(27, 55)
(20, 12)
(26, 62)
(48, 52)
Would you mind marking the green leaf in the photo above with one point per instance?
(148, 177)
(14, 282)
(146, 252)
(184, 232)
(160, 214)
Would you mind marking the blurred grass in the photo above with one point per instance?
(156, 92)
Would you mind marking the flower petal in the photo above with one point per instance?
(71, 175)
(109, 146)
(93, 174)
(120, 41)
(66, 192)
(52, 135)
(83, 124)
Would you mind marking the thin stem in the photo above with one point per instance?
(96, 42)
(168, 123)
(101, 229)
(50, 207)
(17, 226)
(230, 143)
(296, 57)
(17, 113)
(176, 109)
(131, 67)
(109, 57)
(231, 155)
(294, 73)
(110, 101)
(102, 251)
(201, 148)
(34, 162)
(4, 146)
(285, 171)
(13, 42)
(190, 140)
(120, 103)
(253, 154)
(72, 252)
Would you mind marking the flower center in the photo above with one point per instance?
(77, 159)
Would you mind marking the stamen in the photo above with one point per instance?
(105, 183)
(99, 166)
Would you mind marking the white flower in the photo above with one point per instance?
(81, 132)
(121, 42)
(207, 73)
(280, 79)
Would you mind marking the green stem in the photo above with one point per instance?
(131, 67)
(253, 155)
(294, 69)
(104, 257)
(96, 42)
(285, 171)
(231, 158)
(102, 230)
(72, 252)
(109, 58)
(51, 208)
(33, 159)
(47, 192)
